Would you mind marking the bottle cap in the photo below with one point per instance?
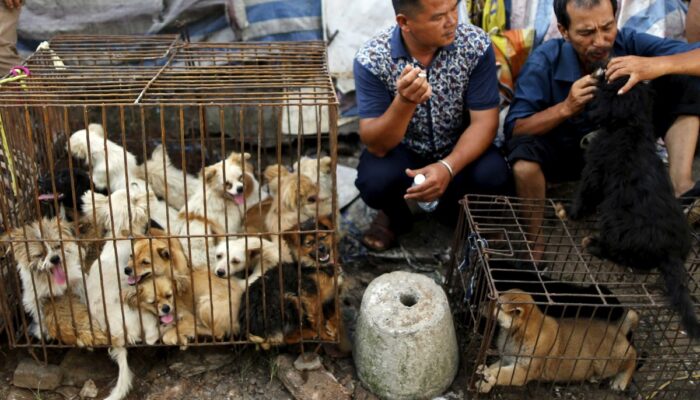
(418, 179)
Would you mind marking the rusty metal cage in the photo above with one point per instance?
(198, 103)
(493, 256)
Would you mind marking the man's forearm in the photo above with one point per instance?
(543, 121)
(681, 64)
(385, 132)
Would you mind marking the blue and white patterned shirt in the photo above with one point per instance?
(462, 76)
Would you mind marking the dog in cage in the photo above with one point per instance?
(536, 347)
(641, 224)
(302, 306)
(217, 207)
(155, 254)
(49, 265)
(111, 165)
(67, 183)
(167, 181)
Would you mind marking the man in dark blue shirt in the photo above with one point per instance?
(547, 120)
(427, 94)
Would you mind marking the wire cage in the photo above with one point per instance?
(121, 154)
(589, 299)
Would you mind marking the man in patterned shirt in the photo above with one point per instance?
(427, 94)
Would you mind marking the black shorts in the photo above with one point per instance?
(561, 156)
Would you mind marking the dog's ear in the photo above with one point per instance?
(210, 173)
(130, 296)
(182, 282)
(179, 260)
(273, 174)
(325, 165)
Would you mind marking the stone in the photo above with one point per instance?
(197, 362)
(69, 392)
(25, 394)
(307, 362)
(79, 365)
(32, 375)
(89, 390)
(317, 384)
(405, 340)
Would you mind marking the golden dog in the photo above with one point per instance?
(536, 347)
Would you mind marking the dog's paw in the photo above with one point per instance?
(560, 210)
(619, 383)
(170, 337)
(586, 241)
(487, 381)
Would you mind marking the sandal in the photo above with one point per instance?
(379, 236)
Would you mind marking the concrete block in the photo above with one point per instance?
(405, 342)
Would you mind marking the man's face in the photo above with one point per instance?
(591, 32)
(434, 25)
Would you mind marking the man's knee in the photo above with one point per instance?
(526, 171)
(377, 183)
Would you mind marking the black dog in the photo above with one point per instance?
(556, 298)
(64, 190)
(641, 224)
(295, 301)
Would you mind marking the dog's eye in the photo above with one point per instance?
(219, 256)
(235, 261)
(309, 243)
(145, 262)
(150, 301)
(229, 185)
(169, 296)
(311, 199)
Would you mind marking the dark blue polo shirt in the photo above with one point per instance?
(462, 76)
(553, 67)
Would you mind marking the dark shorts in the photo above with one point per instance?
(560, 154)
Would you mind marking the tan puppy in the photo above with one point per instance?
(68, 321)
(158, 255)
(169, 299)
(536, 347)
(295, 199)
(217, 310)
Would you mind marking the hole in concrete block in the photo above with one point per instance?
(408, 299)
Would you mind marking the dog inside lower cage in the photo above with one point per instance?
(195, 205)
(563, 320)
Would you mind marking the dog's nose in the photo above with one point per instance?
(55, 260)
(128, 270)
(239, 189)
(220, 273)
(165, 309)
(322, 249)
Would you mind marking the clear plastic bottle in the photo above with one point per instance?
(427, 206)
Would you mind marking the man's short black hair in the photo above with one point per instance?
(406, 7)
(563, 16)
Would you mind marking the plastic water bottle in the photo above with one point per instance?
(427, 206)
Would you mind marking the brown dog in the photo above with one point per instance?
(158, 255)
(68, 321)
(536, 347)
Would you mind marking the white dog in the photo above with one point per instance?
(128, 214)
(106, 157)
(48, 262)
(224, 192)
(161, 169)
(234, 256)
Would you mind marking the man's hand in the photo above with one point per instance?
(12, 4)
(582, 92)
(638, 68)
(436, 180)
(413, 87)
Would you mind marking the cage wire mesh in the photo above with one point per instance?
(494, 255)
(82, 186)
